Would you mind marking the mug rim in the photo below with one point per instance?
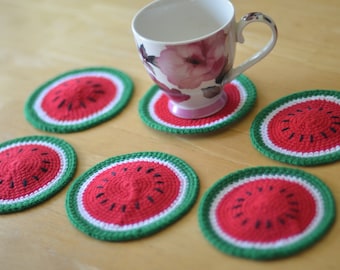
(154, 3)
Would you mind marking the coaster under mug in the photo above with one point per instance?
(154, 111)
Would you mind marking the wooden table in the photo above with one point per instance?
(42, 38)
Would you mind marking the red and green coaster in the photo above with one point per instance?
(265, 213)
(33, 169)
(300, 129)
(154, 111)
(131, 196)
(79, 99)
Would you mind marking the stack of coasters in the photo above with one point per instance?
(131, 196)
(265, 213)
(32, 169)
(154, 111)
(300, 129)
(79, 99)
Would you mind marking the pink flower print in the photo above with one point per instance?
(175, 94)
(212, 91)
(187, 66)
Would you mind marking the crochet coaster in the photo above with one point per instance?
(153, 110)
(79, 99)
(131, 196)
(33, 169)
(265, 213)
(300, 129)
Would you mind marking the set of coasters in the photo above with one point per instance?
(79, 99)
(154, 111)
(300, 129)
(265, 213)
(83, 98)
(122, 198)
(131, 196)
(33, 169)
(259, 213)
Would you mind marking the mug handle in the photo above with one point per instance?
(245, 20)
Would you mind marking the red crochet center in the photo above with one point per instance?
(307, 126)
(78, 98)
(131, 192)
(265, 210)
(26, 168)
(233, 101)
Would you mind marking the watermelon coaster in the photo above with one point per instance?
(265, 213)
(131, 196)
(32, 169)
(78, 99)
(153, 110)
(300, 129)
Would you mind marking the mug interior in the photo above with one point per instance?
(180, 21)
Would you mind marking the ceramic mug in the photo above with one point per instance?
(188, 49)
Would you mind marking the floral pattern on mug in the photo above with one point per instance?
(187, 66)
(211, 91)
(147, 60)
(175, 94)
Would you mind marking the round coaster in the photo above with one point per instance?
(300, 129)
(32, 169)
(131, 196)
(153, 110)
(266, 212)
(79, 99)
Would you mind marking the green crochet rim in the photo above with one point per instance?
(19, 174)
(33, 110)
(213, 123)
(136, 167)
(260, 251)
(262, 142)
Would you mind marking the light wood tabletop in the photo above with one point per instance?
(40, 39)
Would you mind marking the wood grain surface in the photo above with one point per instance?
(41, 38)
